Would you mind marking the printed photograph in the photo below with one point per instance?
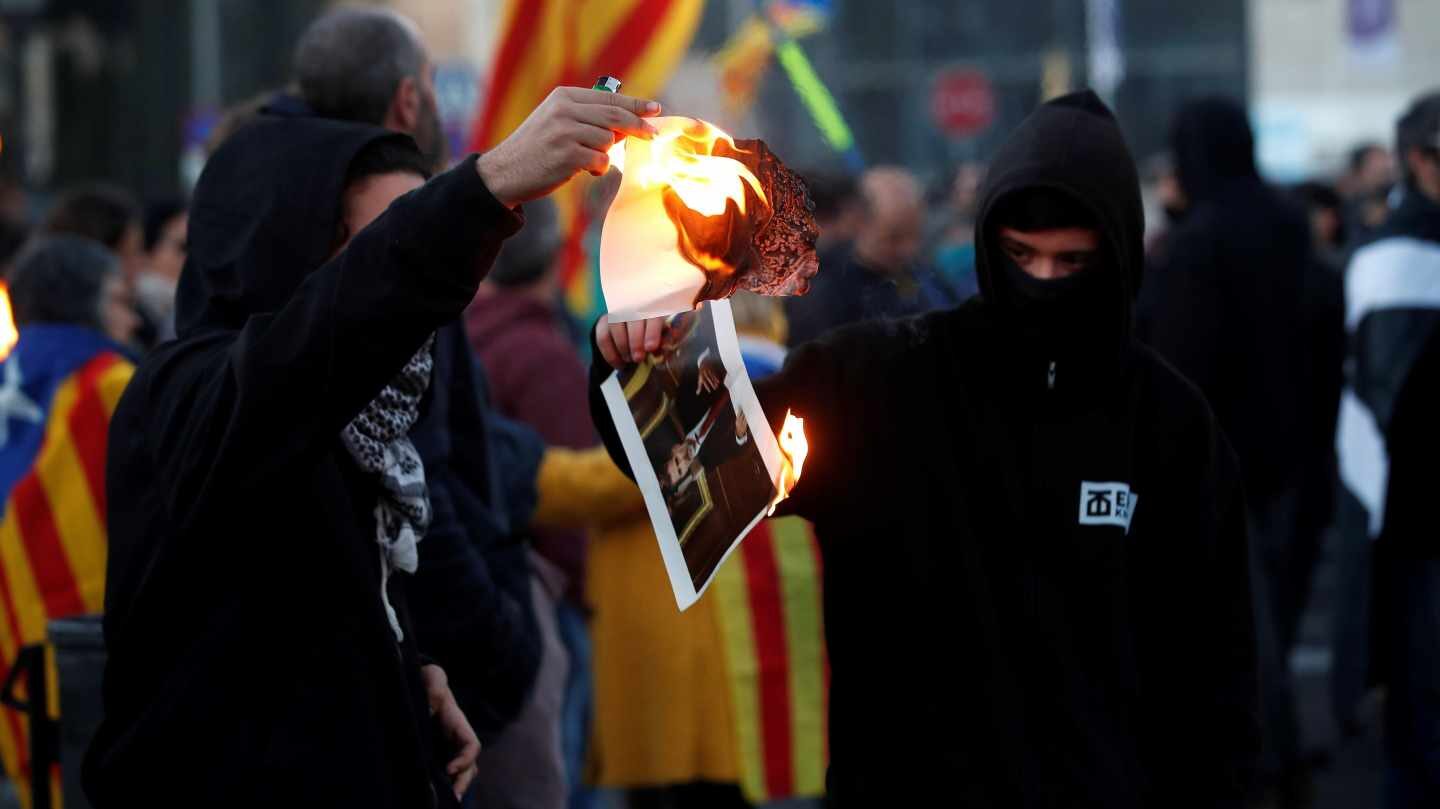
(697, 442)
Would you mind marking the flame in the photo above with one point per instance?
(793, 449)
(680, 157)
(8, 334)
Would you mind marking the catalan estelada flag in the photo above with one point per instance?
(545, 44)
(58, 389)
(768, 604)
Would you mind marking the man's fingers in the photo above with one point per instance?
(620, 335)
(597, 163)
(638, 106)
(615, 119)
(606, 342)
(654, 331)
(637, 339)
(594, 137)
(462, 784)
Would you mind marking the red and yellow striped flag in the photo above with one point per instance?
(769, 608)
(545, 44)
(58, 390)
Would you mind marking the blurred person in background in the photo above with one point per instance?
(1392, 293)
(839, 208)
(877, 275)
(955, 253)
(991, 643)
(60, 387)
(1242, 309)
(515, 326)
(371, 65)
(1407, 601)
(1365, 186)
(110, 216)
(1165, 207)
(1327, 222)
(165, 223)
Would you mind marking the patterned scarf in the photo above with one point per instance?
(379, 443)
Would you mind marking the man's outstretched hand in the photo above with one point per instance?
(622, 344)
(571, 131)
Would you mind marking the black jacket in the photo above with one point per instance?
(250, 660)
(849, 292)
(1243, 308)
(470, 599)
(1392, 306)
(995, 639)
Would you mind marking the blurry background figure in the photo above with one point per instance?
(61, 385)
(1407, 603)
(955, 249)
(111, 217)
(839, 208)
(683, 699)
(877, 275)
(165, 225)
(1165, 207)
(1327, 222)
(1240, 307)
(337, 75)
(1365, 186)
(536, 378)
(1392, 291)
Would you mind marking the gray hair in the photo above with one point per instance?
(349, 62)
(59, 279)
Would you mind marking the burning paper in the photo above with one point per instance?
(700, 447)
(699, 215)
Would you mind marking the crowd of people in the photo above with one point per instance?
(325, 449)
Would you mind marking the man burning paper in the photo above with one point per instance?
(698, 216)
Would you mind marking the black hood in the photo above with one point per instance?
(1213, 147)
(1072, 145)
(265, 214)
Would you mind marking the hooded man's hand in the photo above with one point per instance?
(571, 131)
(622, 344)
(454, 725)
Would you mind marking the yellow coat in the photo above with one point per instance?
(662, 705)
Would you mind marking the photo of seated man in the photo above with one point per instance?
(711, 474)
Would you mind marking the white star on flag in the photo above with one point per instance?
(14, 404)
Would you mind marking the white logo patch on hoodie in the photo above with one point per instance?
(1107, 504)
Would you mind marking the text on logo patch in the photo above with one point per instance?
(1107, 504)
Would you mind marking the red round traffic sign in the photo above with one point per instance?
(963, 103)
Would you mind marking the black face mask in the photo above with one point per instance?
(1058, 314)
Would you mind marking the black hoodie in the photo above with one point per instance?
(1243, 308)
(250, 661)
(997, 636)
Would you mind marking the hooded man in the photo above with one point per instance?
(265, 498)
(1244, 309)
(1036, 579)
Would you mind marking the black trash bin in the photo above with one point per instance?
(80, 661)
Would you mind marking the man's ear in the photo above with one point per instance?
(404, 112)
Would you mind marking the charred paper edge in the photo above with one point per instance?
(737, 380)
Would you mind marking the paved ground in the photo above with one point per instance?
(1352, 779)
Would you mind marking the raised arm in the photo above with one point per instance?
(290, 381)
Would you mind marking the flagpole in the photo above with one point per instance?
(818, 101)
